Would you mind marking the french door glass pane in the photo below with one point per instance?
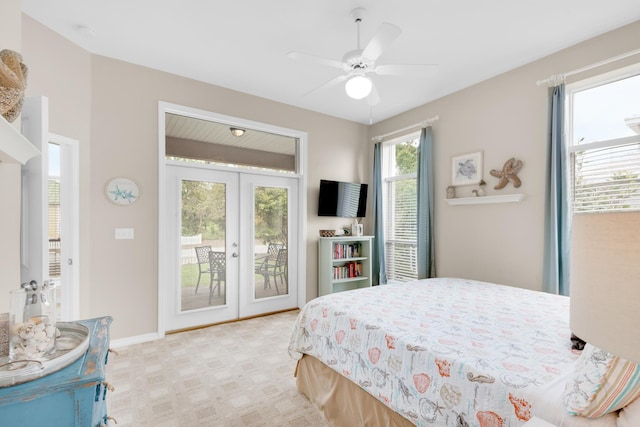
(202, 245)
(271, 242)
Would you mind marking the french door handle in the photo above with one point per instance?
(235, 255)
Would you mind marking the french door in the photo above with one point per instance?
(231, 247)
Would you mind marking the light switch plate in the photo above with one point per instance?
(124, 233)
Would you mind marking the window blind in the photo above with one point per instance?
(606, 178)
(401, 228)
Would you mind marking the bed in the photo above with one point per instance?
(438, 352)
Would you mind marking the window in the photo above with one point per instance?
(399, 175)
(195, 140)
(604, 142)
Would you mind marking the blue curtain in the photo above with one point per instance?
(378, 265)
(426, 247)
(556, 256)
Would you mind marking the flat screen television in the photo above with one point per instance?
(343, 199)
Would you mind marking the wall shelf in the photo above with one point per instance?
(14, 147)
(507, 198)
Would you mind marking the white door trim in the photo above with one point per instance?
(166, 107)
(70, 159)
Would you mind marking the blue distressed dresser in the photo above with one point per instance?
(74, 396)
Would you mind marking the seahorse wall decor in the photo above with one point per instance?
(508, 173)
(13, 81)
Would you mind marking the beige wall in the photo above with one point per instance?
(10, 38)
(59, 70)
(111, 107)
(115, 118)
(504, 117)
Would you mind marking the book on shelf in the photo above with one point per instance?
(348, 270)
(347, 250)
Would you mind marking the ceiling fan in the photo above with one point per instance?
(358, 63)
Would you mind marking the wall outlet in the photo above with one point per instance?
(124, 233)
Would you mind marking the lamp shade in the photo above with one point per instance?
(605, 281)
(358, 86)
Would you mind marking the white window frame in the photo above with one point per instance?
(571, 90)
(388, 177)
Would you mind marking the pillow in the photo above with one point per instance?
(630, 415)
(601, 383)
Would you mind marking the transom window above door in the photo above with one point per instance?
(191, 139)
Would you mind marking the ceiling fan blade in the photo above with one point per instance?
(312, 59)
(386, 35)
(328, 84)
(421, 70)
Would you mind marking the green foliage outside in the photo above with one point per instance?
(189, 276)
(406, 157)
(203, 211)
(405, 191)
(271, 219)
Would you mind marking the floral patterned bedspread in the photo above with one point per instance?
(442, 352)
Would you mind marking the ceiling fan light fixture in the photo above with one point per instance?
(358, 86)
(237, 132)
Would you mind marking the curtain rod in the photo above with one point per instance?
(557, 78)
(422, 124)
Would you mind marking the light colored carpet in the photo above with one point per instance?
(235, 374)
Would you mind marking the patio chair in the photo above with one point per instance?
(218, 269)
(274, 265)
(202, 256)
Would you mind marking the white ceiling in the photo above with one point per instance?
(243, 44)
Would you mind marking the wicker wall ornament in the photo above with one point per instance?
(13, 81)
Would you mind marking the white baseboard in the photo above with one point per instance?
(138, 339)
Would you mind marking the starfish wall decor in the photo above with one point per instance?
(508, 173)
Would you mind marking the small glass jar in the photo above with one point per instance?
(32, 327)
(451, 192)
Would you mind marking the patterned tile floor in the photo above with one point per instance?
(235, 374)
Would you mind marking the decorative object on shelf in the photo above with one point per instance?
(122, 191)
(508, 173)
(356, 229)
(327, 233)
(466, 169)
(451, 192)
(479, 192)
(13, 81)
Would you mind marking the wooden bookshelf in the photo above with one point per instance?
(344, 263)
